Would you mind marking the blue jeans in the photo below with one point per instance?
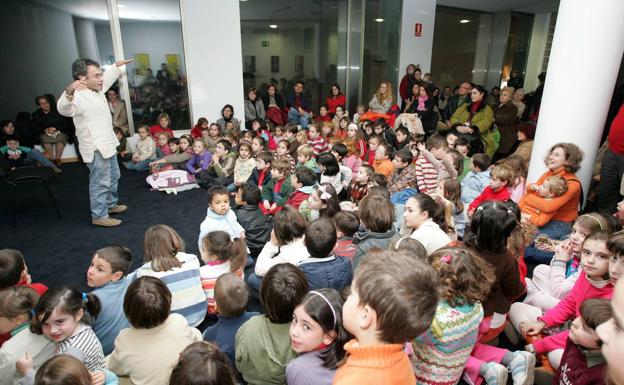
(232, 188)
(554, 230)
(138, 166)
(36, 156)
(300, 119)
(103, 179)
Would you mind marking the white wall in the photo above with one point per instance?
(537, 48)
(38, 48)
(212, 38)
(415, 49)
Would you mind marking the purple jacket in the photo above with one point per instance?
(202, 160)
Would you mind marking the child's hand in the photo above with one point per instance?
(24, 364)
(98, 377)
(421, 146)
(524, 217)
(242, 235)
(563, 251)
(534, 187)
(266, 205)
(531, 328)
(273, 206)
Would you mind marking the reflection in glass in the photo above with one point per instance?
(517, 52)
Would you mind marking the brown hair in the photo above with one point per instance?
(592, 222)
(556, 184)
(616, 243)
(452, 193)
(201, 363)
(595, 312)
(481, 161)
(376, 213)
(409, 246)
(265, 156)
(282, 165)
(147, 303)
(161, 244)
(282, 289)
(63, 369)
(466, 278)
(68, 301)
(401, 289)
(517, 164)
(221, 245)
(573, 156)
(119, 257)
(17, 301)
(347, 222)
(164, 115)
(231, 295)
(11, 267)
(288, 225)
(436, 141)
(503, 173)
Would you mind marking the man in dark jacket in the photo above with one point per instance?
(298, 107)
(463, 96)
(257, 226)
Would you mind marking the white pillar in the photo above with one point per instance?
(584, 61)
(537, 49)
(416, 49)
(214, 59)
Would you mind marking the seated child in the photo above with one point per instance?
(162, 145)
(200, 160)
(261, 175)
(323, 116)
(221, 169)
(402, 137)
(263, 347)
(221, 254)
(202, 124)
(500, 177)
(258, 144)
(230, 299)
(386, 283)
(279, 189)
(316, 140)
(450, 191)
(373, 144)
(202, 363)
(144, 153)
(147, 351)
(382, 163)
(19, 156)
(124, 152)
(425, 217)
(403, 179)
(219, 216)
(360, 109)
(164, 258)
(322, 202)
(323, 269)
(433, 164)
(306, 157)
(108, 275)
(463, 147)
(68, 367)
(283, 154)
(554, 186)
(317, 334)
(244, 166)
(451, 138)
(290, 135)
(347, 224)
(211, 136)
(376, 214)
(518, 184)
(257, 226)
(359, 186)
(303, 181)
(347, 155)
(330, 171)
(477, 179)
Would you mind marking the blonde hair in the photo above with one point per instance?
(503, 172)
(388, 96)
(305, 150)
(556, 184)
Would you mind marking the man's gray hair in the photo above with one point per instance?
(79, 67)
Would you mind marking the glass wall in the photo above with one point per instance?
(517, 52)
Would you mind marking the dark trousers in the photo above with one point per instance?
(610, 180)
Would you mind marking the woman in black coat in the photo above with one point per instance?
(423, 104)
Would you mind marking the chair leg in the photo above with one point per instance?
(13, 205)
(52, 199)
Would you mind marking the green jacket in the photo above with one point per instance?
(263, 351)
(483, 120)
(280, 198)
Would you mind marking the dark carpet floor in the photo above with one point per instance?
(58, 252)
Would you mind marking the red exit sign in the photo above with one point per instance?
(418, 30)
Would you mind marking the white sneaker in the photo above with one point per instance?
(495, 374)
(521, 367)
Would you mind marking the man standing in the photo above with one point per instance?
(85, 101)
(298, 107)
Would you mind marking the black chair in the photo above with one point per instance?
(24, 175)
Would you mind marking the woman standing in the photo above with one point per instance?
(254, 108)
(505, 117)
(474, 122)
(51, 127)
(526, 134)
(118, 109)
(412, 74)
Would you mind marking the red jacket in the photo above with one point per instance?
(157, 129)
(489, 195)
(297, 198)
(332, 103)
(196, 132)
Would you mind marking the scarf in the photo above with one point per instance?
(421, 103)
(473, 108)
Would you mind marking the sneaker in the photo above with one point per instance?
(521, 367)
(57, 170)
(117, 209)
(495, 374)
(106, 222)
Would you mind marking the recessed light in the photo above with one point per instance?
(464, 21)
(379, 20)
(273, 26)
(121, 6)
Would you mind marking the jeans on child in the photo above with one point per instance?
(36, 156)
(103, 179)
(554, 230)
(142, 165)
(300, 119)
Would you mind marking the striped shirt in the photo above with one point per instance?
(88, 344)
(187, 295)
(318, 145)
(209, 274)
(426, 175)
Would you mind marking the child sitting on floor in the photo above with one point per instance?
(144, 153)
(376, 214)
(261, 175)
(347, 224)
(477, 179)
(303, 181)
(432, 164)
(279, 189)
(200, 160)
(306, 157)
(202, 363)
(500, 177)
(219, 216)
(359, 186)
(382, 163)
(257, 226)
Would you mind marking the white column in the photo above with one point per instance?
(214, 60)
(416, 49)
(537, 48)
(584, 62)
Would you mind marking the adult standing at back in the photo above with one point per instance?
(84, 100)
(609, 188)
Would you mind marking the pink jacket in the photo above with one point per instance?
(353, 162)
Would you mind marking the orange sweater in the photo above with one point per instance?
(377, 364)
(563, 208)
(384, 167)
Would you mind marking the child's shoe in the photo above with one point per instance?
(495, 374)
(521, 367)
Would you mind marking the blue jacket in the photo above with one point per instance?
(292, 99)
(473, 184)
(331, 272)
(223, 333)
(111, 319)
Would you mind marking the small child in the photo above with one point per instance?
(347, 224)
(322, 202)
(221, 169)
(219, 216)
(202, 363)
(373, 144)
(164, 258)
(257, 226)
(263, 347)
(243, 167)
(356, 136)
(124, 152)
(305, 157)
(202, 124)
(290, 135)
(211, 136)
(518, 184)
(318, 336)
(18, 156)
(316, 140)
(450, 190)
(393, 300)
(279, 189)
(451, 139)
(278, 135)
(433, 164)
(201, 158)
(477, 179)
(330, 170)
(144, 153)
(582, 362)
(500, 177)
(147, 351)
(347, 155)
(382, 163)
(221, 254)
(65, 367)
(108, 275)
(359, 186)
(463, 147)
(258, 145)
(327, 131)
(323, 116)
(554, 186)
(162, 145)
(402, 137)
(403, 179)
(230, 299)
(261, 175)
(323, 269)
(303, 181)
(376, 214)
(283, 154)
(360, 109)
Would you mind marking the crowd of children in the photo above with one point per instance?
(378, 255)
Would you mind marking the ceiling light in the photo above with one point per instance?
(379, 20)
(273, 26)
(464, 21)
(121, 6)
